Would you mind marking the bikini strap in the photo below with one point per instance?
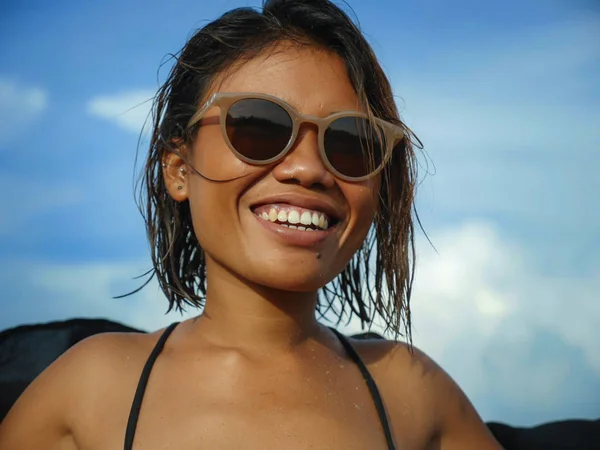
(371, 385)
(141, 387)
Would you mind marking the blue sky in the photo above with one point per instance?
(505, 96)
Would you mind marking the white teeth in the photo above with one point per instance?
(273, 215)
(315, 219)
(294, 216)
(306, 218)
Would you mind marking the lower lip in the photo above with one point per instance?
(296, 237)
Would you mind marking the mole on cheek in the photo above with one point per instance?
(318, 256)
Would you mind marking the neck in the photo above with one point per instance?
(241, 314)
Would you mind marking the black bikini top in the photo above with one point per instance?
(141, 387)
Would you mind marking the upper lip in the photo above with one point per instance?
(302, 201)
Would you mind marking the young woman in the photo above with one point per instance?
(278, 165)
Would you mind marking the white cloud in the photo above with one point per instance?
(20, 106)
(128, 109)
(475, 268)
(484, 310)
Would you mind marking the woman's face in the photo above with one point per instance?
(231, 219)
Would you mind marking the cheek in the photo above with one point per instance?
(208, 210)
(215, 211)
(365, 214)
(214, 159)
(362, 202)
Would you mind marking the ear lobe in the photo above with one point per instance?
(174, 170)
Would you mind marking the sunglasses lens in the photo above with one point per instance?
(354, 146)
(258, 129)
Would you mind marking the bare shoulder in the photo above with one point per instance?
(72, 390)
(420, 395)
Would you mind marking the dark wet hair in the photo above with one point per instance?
(379, 277)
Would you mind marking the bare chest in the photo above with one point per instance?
(249, 427)
(320, 410)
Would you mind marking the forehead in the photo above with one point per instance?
(310, 79)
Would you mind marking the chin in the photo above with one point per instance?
(292, 278)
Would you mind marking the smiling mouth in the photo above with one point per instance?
(295, 218)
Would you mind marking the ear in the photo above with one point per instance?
(175, 174)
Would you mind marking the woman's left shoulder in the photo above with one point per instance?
(393, 360)
(404, 374)
(418, 393)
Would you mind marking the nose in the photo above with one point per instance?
(303, 164)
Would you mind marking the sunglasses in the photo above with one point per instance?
(261, 129)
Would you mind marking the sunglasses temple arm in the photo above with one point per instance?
(198, 114)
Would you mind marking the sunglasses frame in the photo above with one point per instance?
(224, 100)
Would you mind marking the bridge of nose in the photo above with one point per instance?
(302, 119)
